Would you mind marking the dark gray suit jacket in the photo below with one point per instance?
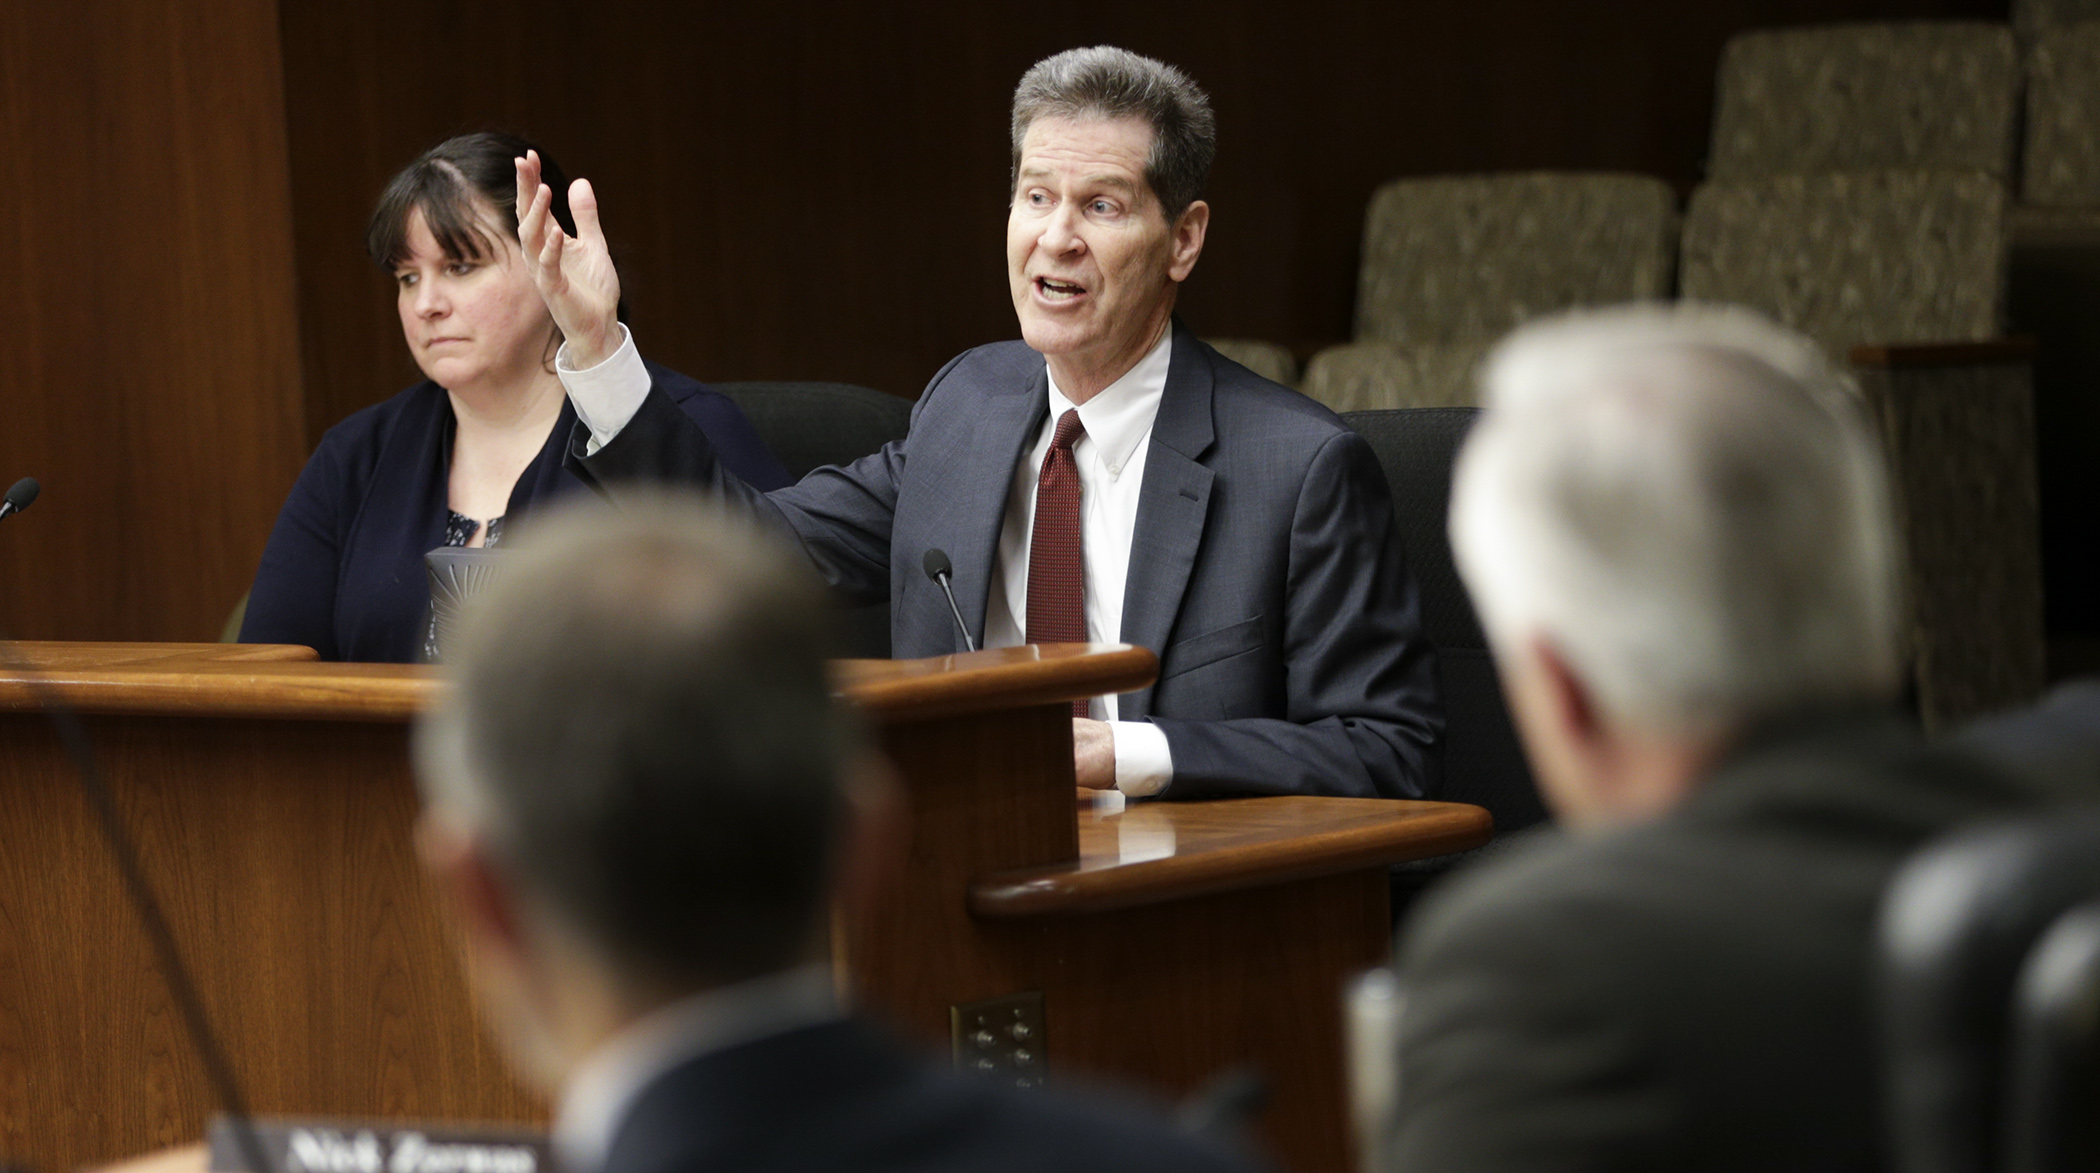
(1265, 569)
(1687, 995)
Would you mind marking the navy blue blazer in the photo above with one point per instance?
(842, 1097)
(1265, 569)
(343, 571)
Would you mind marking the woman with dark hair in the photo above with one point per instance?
(453, 459)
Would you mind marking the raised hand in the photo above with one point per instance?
(575, 274)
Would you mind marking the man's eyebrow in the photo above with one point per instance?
(1117, 182)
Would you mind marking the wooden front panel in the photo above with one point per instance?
(1166, 996)
(1173, 995)
(282, 851)
(981, 791)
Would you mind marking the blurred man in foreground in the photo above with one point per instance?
(1674, 523)
(642, 800)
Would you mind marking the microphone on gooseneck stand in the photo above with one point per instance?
(72, 734)
(940, 570)
(21, 496)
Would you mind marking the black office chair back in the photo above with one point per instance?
(809, 425)
(2052, 1111)
(1958, 921)
(1483, 760)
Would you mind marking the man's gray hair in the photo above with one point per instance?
(1688, 505)
(641, 727)
(1105, 82)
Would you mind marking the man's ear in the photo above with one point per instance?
(484, 908)
(1564, 732)
(1567, 697)
(1189, 230)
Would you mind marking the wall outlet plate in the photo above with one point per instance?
(1001, 1038)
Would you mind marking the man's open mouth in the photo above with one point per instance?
(1057, 290)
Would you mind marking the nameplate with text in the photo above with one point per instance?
(362, 1146)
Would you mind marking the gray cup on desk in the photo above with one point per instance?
(457, 574)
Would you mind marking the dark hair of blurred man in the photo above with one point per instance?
(642, 801)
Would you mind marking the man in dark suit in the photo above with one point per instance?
(1675, 526)
(1108, 479)
(642, 801)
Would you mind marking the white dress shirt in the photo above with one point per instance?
(1111, 462)
(604, 1089)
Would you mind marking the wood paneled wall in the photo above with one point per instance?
(808, 190)
(148, 332)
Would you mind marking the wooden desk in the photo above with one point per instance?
(272, 800)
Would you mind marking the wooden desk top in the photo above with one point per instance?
(1153, 852)
(221, 680)
(997, 678)
(287, 682)
(55, 655)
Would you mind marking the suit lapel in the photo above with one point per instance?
(1172, 506)
(984, 476)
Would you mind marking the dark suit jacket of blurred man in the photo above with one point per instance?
(840, 1096)
(1689, 994)
(1265, 568)
(2055, 743)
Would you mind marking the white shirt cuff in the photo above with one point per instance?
(1144, 764)
(607, 395)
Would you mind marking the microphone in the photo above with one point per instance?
(21, 496)
(940, 570)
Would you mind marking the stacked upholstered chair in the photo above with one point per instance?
(1859, 192)
(2033, 18)
(1853, 257)
(1451, 264)
(1902, 273)
(2061, 168)
(1939, 96)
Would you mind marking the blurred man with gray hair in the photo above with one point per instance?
(642, 802)
(1675, 526)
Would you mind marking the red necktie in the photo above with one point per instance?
(1056, 568)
